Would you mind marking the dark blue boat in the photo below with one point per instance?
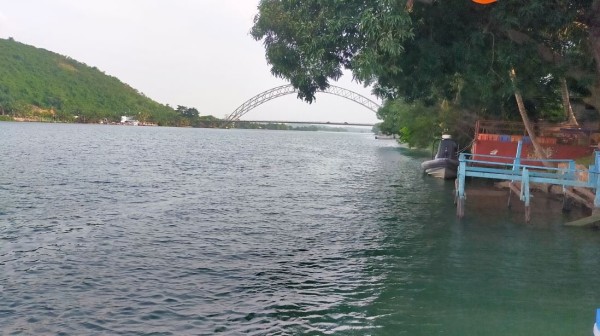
(445, 163)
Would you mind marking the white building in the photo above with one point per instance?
(125, 120)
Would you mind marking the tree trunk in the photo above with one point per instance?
(594, 42)
(594, 29)
(539, 151)
(566, 100)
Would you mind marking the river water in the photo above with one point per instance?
(108, 230)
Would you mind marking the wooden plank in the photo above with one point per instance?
(515, 188)
(535, 177)
(492, 170)
(569, 183)
(476, 192)
(585, 222)
(571, 194)
(494, 176)
(585, 192)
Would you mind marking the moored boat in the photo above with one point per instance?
(445, 162)
(385, 136)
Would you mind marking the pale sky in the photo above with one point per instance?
(196, 53)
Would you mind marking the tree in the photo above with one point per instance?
(187, 112)
(433, 52)
(7, 102)
(311, 42)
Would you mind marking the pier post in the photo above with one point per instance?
(460, 190)
(572, 174)
(515, 168)
(594, 178)
(517, 162)
(525, 194)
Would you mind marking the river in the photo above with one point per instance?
(115, 230)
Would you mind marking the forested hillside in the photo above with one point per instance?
(41, 84)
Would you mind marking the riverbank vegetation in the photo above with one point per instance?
(440, 65)
(287, 127)
(39, 85)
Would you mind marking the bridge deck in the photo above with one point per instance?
(284, 90)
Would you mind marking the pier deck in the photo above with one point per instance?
(525, 171)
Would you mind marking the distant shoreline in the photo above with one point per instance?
(272, 127)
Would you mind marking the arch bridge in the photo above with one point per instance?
(288, 89)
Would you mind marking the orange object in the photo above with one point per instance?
(484, 2)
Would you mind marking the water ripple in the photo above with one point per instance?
(139, 231)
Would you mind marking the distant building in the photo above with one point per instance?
(125, 120)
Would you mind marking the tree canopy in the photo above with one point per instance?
(439, 54)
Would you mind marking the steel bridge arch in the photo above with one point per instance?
(288, 89)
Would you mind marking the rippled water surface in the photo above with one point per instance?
(110, 230)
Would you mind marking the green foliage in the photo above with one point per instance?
(455, 54)
(312, 41)
(36, 81)
(253, 125)
(208, 122)
(416, 124)
(190, 117)
(376, 129)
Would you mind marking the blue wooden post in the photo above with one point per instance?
(460, 190)
(517, 162)
(571, 174)
(515, 168)
(525, 195)
(594, 178)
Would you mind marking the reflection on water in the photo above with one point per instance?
(132, 230)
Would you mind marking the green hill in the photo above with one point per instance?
(41, 84)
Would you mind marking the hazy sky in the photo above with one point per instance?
(196, 53)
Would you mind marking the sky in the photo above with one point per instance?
(195, 53)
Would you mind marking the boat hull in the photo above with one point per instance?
(443, 168)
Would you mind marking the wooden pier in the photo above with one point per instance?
(521, 173)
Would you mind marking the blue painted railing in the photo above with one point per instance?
(537, 171)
